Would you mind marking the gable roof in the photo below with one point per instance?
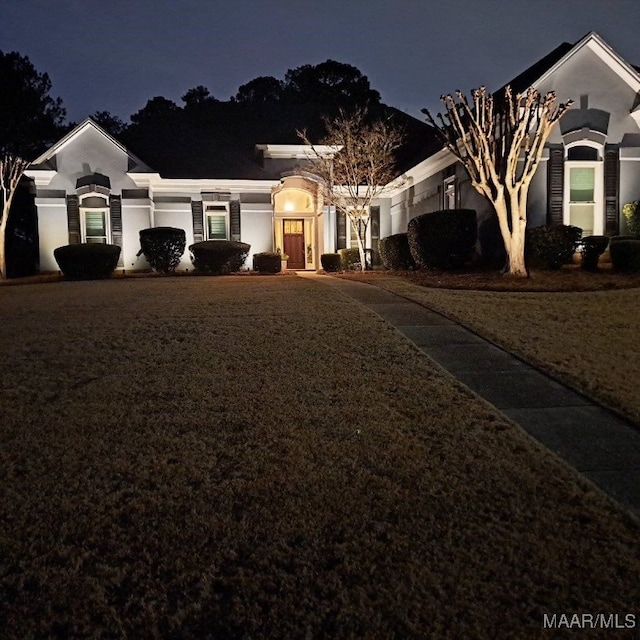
(135, 163)
(543, 68)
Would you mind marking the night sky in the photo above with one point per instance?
(116, 54)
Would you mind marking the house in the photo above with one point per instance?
(90, 188)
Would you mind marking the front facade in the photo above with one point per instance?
(89, 188)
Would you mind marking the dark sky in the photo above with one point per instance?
(116, 54)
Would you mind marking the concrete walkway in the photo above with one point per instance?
(601, 446)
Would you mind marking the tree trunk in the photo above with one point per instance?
(3, 246)
(512, 228)
(363, 257)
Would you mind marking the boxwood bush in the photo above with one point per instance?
(443, 239)
(163, 247)
(551, 247)
(267, 262)
(331, 262)
(395, 252)
(218, 257)
(87, 261)
(592, 248)
(625, 255)
(350, 259)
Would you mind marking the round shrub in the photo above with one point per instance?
(350, 259)
(592, 248)
(625, 255)
(267, 262)
(88, 261)
(218, 257)
(163, 247)
(551, 247)
(330, 262)
(395, 253)
(443, 239)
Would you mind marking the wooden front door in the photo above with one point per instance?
(293, 234)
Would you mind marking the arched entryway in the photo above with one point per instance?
(297, 215)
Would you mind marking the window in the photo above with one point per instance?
(449, 190)
(584, 189)
(94, 226)
(217, 222)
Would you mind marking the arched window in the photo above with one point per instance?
(94, 218)
(584, 186)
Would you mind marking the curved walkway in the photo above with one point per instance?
(601, 446)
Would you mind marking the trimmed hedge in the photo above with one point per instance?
(87, 261)
(625, 255)
(267, 262)
(592, 248)
(551, 247)
(395, 253)
(443, 239)
(163, 247)
(218, 257)
(350, 259)
(331, 262)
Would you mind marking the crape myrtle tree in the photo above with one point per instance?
(500, 144)
(359, 167)
(12, 168)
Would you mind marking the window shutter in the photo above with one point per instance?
(198, 220)
(341, 229)
(234, 213)
(375, 235)
(73, 219)
(611, 191)
(555, 186)
(115, 210)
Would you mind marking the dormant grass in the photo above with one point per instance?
(263, 458)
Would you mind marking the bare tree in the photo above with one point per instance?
(11, 170)
(500, 146)
(359, 168)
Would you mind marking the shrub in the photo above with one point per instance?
(592, 248)
(267, 262)
(551, 247)
(87, 261)
(613, 239)
(492, 251)
(217, 257)
(163, 247)
(625, 255)
(631, 212)
(395, 252)
(443, 239)
(350, 259)
(331, 262)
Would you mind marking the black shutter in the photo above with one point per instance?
(115, 210)
(375, 235)
(198, 220)
(341, 230)
(611, 191)
(73, 219)
(555, 186)
(234, 213)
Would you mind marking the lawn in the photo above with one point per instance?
(255, 457)
(586, 338)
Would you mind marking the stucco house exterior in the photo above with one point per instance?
(90, 188)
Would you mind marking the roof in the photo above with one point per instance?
(246, 142)
(44, 159)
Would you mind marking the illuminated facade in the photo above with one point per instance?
(89, 188)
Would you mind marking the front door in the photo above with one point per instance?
(293, 240)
